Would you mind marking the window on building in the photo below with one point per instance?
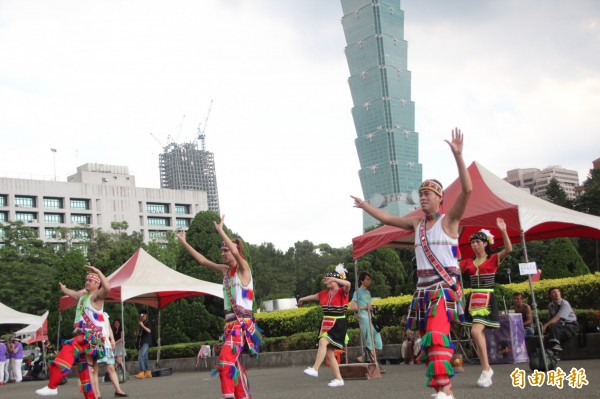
(51, 233)
(183, 222)
(26, 216)
(2, 234)
(81, 247)
(53, 203)
(79, 204)
(182, 209)
(57, 247)
(154, 221)
(80, 234)
(157, 208)
(157, 235)
(54, 218)
(3, 200)
(80, 219)
(3, 216)
(24, 201)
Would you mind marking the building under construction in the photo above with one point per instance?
(185, 167)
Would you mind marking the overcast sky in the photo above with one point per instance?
(93, 79)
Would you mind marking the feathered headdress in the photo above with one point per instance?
(339, 272)
(483, 235)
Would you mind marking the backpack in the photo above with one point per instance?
(536, 360)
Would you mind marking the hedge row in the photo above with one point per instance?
(295, 342)
(582, 292)
(297, 329)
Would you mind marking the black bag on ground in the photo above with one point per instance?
(536, 360)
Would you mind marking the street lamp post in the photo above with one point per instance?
(54, 159)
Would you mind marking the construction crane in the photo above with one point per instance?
(202, 130)
(157, 140)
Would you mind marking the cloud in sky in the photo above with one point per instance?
(94, 79)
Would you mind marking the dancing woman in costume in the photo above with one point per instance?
(482, 310)
(87, 346)
(334, 301)
(240, 326)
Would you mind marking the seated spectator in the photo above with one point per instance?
(562, 322)
(525, 310)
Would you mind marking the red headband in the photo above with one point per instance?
(431, 185)
(93, 277)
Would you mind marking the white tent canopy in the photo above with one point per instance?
(11, 316)
(32, 328)
(145, 280)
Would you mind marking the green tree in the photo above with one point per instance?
(389, 274)
(563, 260)
(589, 202)
(272, 272)
(556, 194)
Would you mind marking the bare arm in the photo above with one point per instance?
(344, 283)
(243, 267)
(507, 244)
(384, 217)
(201, 259)
(72, 293)
(528, 318)
(455, 213)
(104, 289)
(308, 298)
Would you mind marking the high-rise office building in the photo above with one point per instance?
(383, 112)
(185, 167)
(98, 195)
(536, 181)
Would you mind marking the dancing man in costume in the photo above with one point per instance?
(334, 301)
(240, 327)
(436, 301)
(87, 345)
(482, 310)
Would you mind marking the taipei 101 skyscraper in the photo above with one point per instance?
(383, 112)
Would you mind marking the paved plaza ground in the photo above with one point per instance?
(399, 381)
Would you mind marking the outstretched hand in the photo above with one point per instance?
(357, 201)
(92, 268)
(456, 145)
(181, 236)
(500, 223)
(219, 226)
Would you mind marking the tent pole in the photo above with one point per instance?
(536, 316)
(124, 348)
(158, 351)
(358, 318)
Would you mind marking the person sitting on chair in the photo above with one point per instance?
(525, 310)
(562, 322)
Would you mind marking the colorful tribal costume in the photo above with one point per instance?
(88, 340)
(241, 333)
(334, 324)
(436, 302)
(481, 305)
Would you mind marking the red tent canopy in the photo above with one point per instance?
(35, 332)
(492, 197)
(145, 280)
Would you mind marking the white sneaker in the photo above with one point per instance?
(47, 391)
(336, 383)
(485, 379)
(442, 395)
(312, 372)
